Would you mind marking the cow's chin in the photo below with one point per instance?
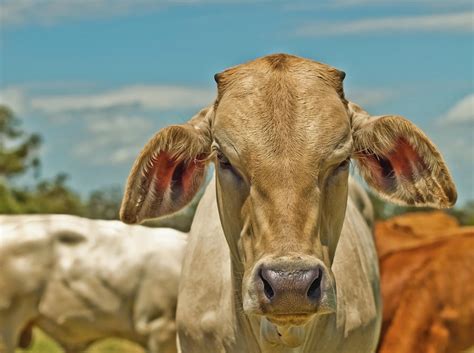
(282, 335)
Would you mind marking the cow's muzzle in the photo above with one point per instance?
(292, 292)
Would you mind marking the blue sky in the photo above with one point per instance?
(97, 78)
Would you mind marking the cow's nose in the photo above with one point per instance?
(296, 285)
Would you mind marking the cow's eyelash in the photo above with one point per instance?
(343, 165)
(223, 160)
(221, 157)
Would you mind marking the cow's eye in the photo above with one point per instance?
(223, 161)
(343, 165)
(225, 164)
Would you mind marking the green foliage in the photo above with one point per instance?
(384, 210)
(18, 150)
(104, 204)
(465, 215)
(8, 202)
(50, 196)
(42, 343)
(55, 196)
(18, 155)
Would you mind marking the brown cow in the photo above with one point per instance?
(427, 284)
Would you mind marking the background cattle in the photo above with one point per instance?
(26, 261)
(427, 279)
(82, 280)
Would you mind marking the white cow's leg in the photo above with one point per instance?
(162, 337)
(178, 345)
(14, 331)
(7, 340)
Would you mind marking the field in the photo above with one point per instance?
(44, 344)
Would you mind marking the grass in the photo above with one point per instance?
(42, 343)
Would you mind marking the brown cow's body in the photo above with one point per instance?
(428, 288)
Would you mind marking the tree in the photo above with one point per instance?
(51, 196)
(465, 214)
(104, 204)
(8, 202)
(18, 150)
(19, 154)
(384, 210)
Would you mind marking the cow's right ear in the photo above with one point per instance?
(169, 170)
(399, 162)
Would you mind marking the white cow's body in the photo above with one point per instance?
(210, 318)
(89, 280)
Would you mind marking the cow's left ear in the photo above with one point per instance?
(399, 161)
(169, 170)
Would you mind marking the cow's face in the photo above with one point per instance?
(281, 135)
(282, 138)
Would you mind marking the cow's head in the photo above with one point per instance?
(281, 135)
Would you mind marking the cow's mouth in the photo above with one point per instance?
(295, 319)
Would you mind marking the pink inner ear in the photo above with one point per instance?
(188, 176)
(176, 174)
(163, 169)
(402, 162)
(404, 159)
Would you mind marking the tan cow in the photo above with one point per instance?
(279, 259)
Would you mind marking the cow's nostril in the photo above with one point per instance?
(314, 291)
(267, 288)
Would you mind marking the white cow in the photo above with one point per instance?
(279, 257)
(82, 280)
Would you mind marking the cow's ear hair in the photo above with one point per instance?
(399, 162)
(169, 170)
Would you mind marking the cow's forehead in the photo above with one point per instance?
(290, 108)
(301, 68)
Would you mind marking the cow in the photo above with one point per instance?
(82, 280)
(279, 259)
(25, 264)
(426, 281)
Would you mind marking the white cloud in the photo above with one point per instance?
(114, 140)
(21, 12)
(461, 113)
(453, 133)
(145, 97)
(18, 12)
(134, 97)
(452, 22)
(432, 3)
(15, 99)
(368, 97)
(344, 4)
(115, 123)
